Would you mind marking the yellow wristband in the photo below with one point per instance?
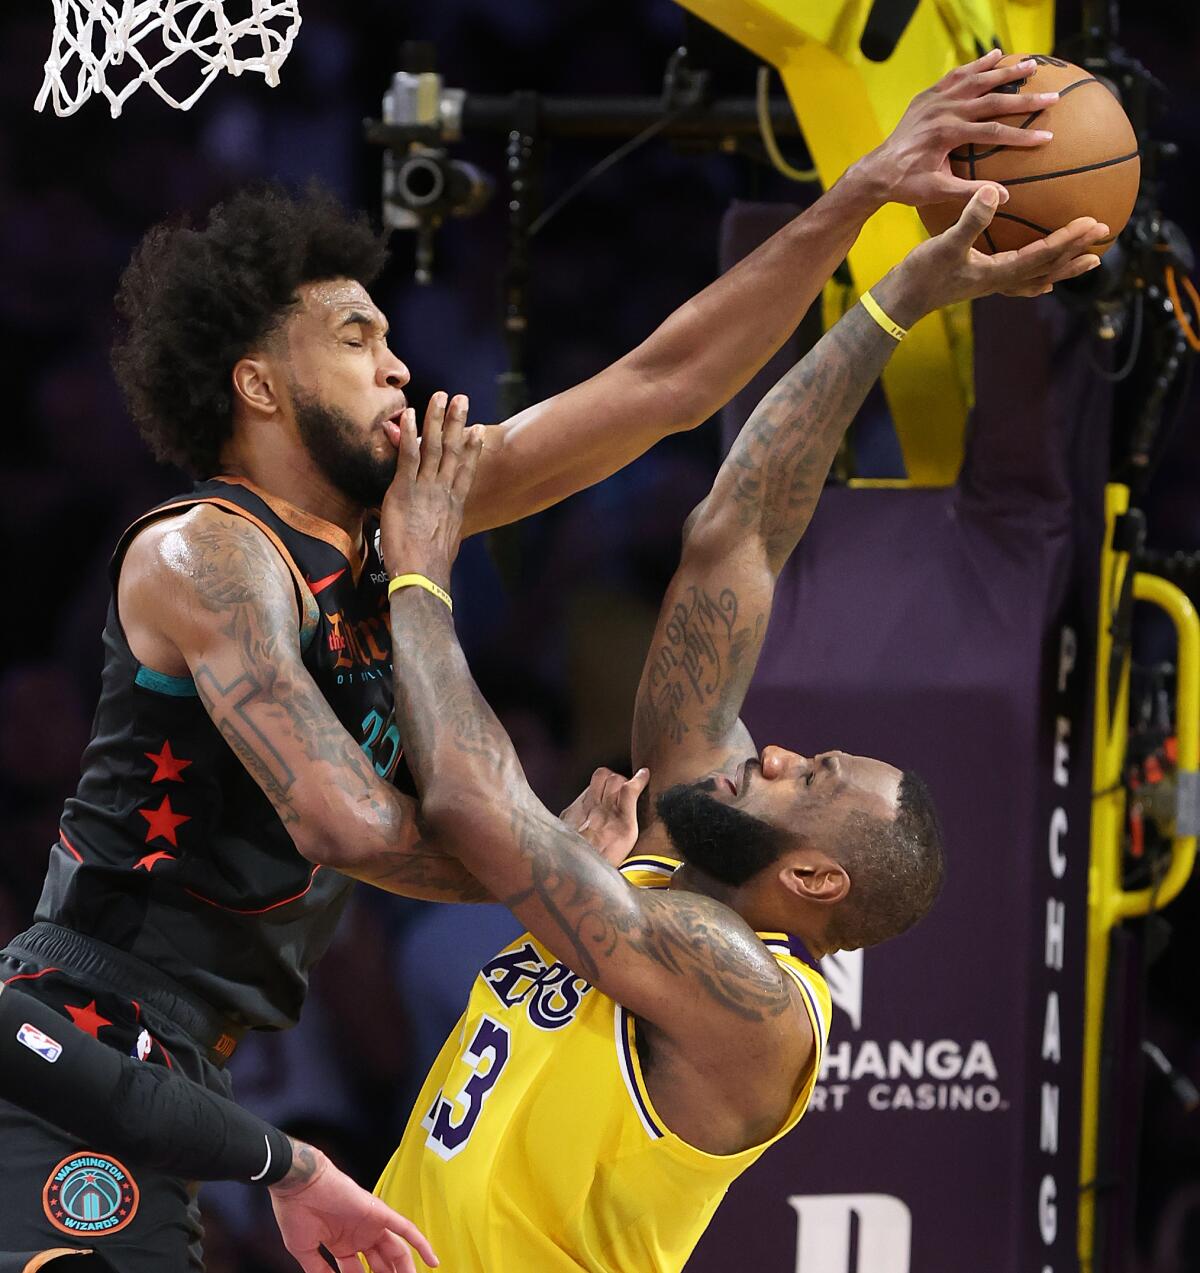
(872, 306)
(420, 581)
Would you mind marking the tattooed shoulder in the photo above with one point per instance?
(231, 562)
(208, 556)
(716, 953)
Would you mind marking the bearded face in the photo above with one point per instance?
(342, 451)
(725, 843)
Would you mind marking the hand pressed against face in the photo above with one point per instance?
(340, 383)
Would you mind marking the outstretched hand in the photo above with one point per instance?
(948, 268)
(423, 507)
(605, 813)
(326, 1208)
(967, 105)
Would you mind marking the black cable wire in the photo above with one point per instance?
(1183, 391)
(1135, 346)
(599, 169)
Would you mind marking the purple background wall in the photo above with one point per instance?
(931, 628)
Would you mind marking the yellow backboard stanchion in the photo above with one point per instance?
(1108, 902)
(846, 105)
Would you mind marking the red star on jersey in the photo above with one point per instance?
(151, 860)
(88, 1019)
(163, 822)
(167, 768)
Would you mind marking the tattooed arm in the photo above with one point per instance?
(714, 617)
(204, 595)
(685, 963)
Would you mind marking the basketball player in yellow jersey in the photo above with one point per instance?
(659, 1025)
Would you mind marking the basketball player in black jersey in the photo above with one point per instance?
(245, 758)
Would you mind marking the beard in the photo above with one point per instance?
(339, 450)
(723, 842)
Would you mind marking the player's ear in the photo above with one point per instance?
(254, 384)
(815, 878)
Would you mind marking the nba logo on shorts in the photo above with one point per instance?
(141, 1049)
(33, 1038)
(829, 1223)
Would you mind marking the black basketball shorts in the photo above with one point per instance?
(58, 1196)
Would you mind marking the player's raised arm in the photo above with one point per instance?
(708, 349)
(209, 595)
(680, 961)
(714, 617)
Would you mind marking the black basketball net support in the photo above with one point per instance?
(527, 121)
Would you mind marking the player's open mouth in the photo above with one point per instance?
(743, 775)
(397, 416)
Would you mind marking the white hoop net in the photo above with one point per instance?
(135, 41)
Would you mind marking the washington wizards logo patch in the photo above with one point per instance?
(90, 1193)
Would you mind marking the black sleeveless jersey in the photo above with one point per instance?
(169, 850)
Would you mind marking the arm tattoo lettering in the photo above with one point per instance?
(696, 672)
(687, 665)
(692, 690)
(715, 617)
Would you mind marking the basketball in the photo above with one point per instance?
(1090, 168)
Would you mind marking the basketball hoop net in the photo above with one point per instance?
(93, 38)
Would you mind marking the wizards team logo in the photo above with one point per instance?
(90, 1193)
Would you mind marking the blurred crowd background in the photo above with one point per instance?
(555, 614)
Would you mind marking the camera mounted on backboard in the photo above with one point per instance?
(422, 185)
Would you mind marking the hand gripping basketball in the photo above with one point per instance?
(423, 508)
(1090, 168)
(970, 106)
(949, 268)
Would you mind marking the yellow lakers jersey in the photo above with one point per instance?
(534, 1146)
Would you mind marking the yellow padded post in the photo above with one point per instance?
(846, 106)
